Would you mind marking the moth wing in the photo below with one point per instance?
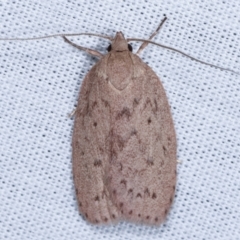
(91, 150)
(143, 146)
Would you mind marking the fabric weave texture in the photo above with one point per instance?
(39, 85)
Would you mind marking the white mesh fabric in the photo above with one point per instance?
(39, 84)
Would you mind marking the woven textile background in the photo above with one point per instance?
(39, 85)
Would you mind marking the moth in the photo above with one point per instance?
(124, 142)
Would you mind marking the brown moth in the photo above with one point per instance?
(124, 142)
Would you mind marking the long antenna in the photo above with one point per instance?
(56, 35)
(183, 53)
(111, 39)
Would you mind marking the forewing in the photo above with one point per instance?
(143, 149)
(91, 149)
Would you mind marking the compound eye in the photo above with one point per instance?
(130, 47)
(109, 48)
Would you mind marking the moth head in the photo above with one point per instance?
(119, 44)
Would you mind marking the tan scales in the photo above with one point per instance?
(124, 142)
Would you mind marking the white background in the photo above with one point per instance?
(39, 84)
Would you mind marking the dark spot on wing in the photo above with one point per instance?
(124, 113)
(94, 104)
(105, 103)
(123, 182)
(146, 193)
(130, 191)
(165, 151)
(135, 102)
(97, 163)
(155, 109)
(134, 132)
(154, 196)
(139, 195)
(150, 161)
(120, 142)
(166, 211)
(96, 198)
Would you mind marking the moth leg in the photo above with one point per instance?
(72, 113)
(179, 161)
(88, 50)
(144, 44)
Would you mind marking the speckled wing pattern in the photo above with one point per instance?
(124, 143)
